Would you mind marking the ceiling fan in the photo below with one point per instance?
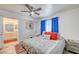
(32, 10)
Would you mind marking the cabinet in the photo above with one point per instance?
(72, 46)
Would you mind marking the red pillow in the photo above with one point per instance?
(53, 35)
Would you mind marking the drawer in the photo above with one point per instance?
(73, 49)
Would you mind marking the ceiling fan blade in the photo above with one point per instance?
(37, 13)
(25, 11)
(29, 7)
(37, 9)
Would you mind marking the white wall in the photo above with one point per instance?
(37, 26)
(23, 32)
(1, 32)
(69, 24)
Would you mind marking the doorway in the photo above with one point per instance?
(10, 31)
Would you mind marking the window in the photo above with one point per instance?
(48, 25)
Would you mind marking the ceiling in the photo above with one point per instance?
(47, 9)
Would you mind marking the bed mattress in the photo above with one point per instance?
(47, 46)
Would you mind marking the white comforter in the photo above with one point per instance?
(47, 46)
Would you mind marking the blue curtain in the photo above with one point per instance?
(55, 24)
(43, 26)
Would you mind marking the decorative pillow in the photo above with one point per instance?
(53, 35)
(47, 37)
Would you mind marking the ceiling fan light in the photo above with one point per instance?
(32, 13)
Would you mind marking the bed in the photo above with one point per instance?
(45, 46)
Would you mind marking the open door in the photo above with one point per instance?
(10, 31)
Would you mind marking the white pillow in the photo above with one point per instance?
(47, 37)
